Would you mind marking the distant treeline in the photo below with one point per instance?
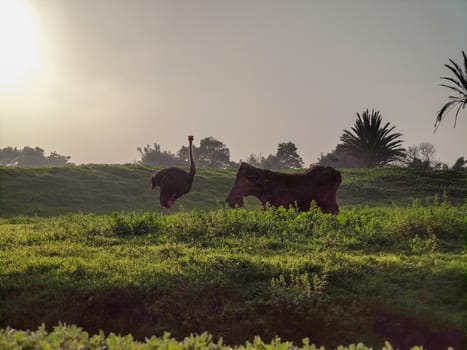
(30, 157)
(212, 153)
(368, 144)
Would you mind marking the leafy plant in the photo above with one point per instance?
(458, 84)
(371, 144)
(68, 337)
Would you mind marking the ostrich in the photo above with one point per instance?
(174, 182)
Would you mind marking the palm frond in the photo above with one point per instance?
(459, 82)
(454, 81)
(455, 89)
(456, 98)
(458, 73)
(446, 108)
(457, 112)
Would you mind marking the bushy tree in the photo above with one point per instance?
(9, 156)
(288, 157)
(457, 84)
(30, 157)
(55, 159)
(183, 155)
(369, 143)
(421, 156)
(211, 153)
(460, 164)
(255, 160)
(271, 162)
(155, 156)
(337, 159)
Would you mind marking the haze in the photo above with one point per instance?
(96, 79)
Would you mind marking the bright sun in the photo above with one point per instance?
(19, 43)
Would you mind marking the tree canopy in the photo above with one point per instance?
(155, 156)
(286, 157)
(211, 153)
(30, 157)
(421, 156)
(337, 159)
(370, 144)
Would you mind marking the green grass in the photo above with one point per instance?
(90, 245)
(367, 275)
(103, 189)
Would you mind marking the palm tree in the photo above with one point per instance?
(459, 87)
(369, 144)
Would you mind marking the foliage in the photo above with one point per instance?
(212, 153)
(71, 337)
(102, 189)
(421, 157)
(286, 157)
(459, 86)
(459, 164)
(155, 156)
(183, 155)
(30, 157)
(256, 160)
(271, 162)
(336, 159)
(369, 143)
(238, 273)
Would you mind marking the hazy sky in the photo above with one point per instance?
(95, 79)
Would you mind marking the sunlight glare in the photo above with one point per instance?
(19, 43)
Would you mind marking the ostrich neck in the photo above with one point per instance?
(192, 165)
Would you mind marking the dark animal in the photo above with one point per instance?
(317, 184)
(174, 182)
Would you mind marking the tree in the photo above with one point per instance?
(183, 155)
(421, 157)
(28, 157)
(32, 157)
(458, 84)
(9, 156)
(271, 162)
(336, 159)
(369, 143)
(459, 165)
(288, 157)
(213, 153)
(155, 156)
(55, 159)
(255, 160)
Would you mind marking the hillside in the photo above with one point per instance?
(102, 189)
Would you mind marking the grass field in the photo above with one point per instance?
(103, 189)
(88, 245)
(369, 274)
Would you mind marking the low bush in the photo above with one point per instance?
(65, 337)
